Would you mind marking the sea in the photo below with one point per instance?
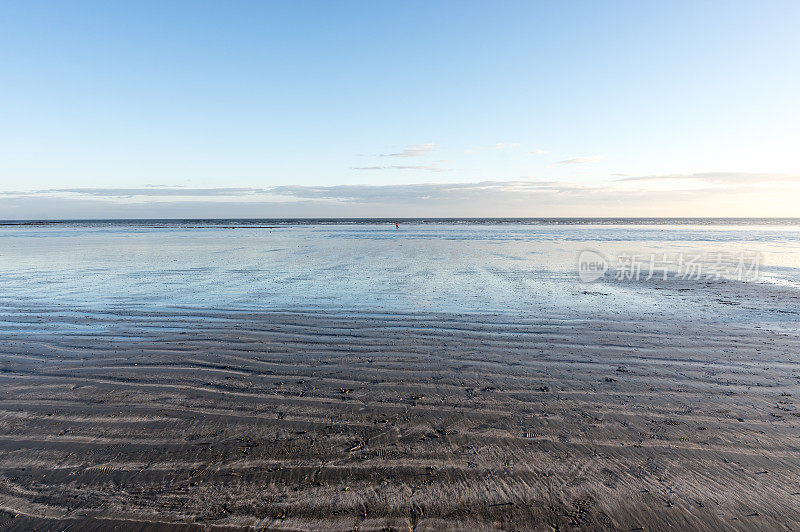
(709, 269)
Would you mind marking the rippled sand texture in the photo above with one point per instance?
(336, 421)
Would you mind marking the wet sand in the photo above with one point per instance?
(342, 421)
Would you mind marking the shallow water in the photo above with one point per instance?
(519, 268)
(451, 372)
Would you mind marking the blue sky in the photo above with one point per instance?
(366, 108)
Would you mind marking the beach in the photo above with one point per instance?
(399, 266)
(399, 400)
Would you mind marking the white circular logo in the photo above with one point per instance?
(591, 266)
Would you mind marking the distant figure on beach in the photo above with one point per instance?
(396, 225)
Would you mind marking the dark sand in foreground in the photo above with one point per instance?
(296, 421)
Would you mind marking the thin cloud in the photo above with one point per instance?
(580, 160)
(416, 150)
(429, 168)
(537, 152)
(426, 192)
(407, 193)
(495, 146)
(521, 197)
(421, 191)
(730, 178)
(130, 192)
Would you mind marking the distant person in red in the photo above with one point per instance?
(396, 225)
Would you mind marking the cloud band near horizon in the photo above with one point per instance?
(734, 192)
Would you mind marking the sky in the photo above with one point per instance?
(300, 108)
